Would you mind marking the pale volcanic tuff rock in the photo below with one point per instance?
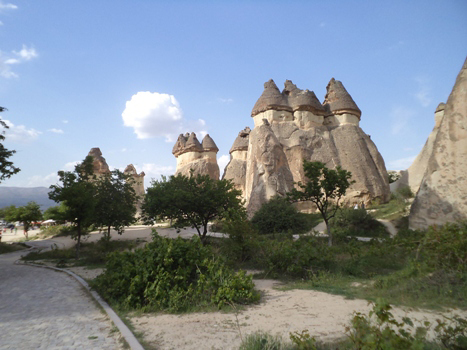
(99, 164)
(138, 182)
(292, 126)
(236, 169)
(196, 157)
(442, 196)
(413, 176)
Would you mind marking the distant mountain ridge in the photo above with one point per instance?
(20, 196)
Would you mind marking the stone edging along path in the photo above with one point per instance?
(124, 330)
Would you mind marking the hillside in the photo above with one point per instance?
(20, 196)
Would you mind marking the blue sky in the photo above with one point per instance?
(129, 76)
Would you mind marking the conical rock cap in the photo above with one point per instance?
(271, 98)
(209, 144)
(338, 100)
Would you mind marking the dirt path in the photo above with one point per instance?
(280, 312)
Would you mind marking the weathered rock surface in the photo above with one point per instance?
(292, 126)
(138, 183)
(236, 169)
(442, 196)
(196, 157)
(413, 176)
(99, 163)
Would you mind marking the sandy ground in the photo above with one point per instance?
(279, 312)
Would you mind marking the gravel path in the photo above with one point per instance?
(44, 309)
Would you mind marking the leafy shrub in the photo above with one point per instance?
(173, 275)
(446, 247)
(404, 192)
(279, 216)
(242, 242)
(380, 330)
(357, 223)
(264, 341)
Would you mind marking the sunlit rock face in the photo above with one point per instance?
(413, 176)
(293, 125)
(442, 196)
(99, 164)
(196, 158)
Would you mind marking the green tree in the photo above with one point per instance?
(57, 212)
(190, 201)
(26, 214)
(278, 216)
(77, 192)
(6, 167)
(115, 202)
(325, 188)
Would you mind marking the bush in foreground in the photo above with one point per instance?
(173, 275)
(279, 216)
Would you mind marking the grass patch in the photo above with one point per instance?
(396, 208)
(92, 254)
(11, 247)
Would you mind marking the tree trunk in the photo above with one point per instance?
(328, 230)
(79, 240)
(108, 233)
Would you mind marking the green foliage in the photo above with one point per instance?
(11, 247)
(92, 254)
(446, 247)
(190, 201)
(173, 275)
(357, 223)
(393, 177)
(7, 169)
(57, 213)
(77, 191)
(385, 332)
(404, 192)
(380, 330)
(303, 340)
(324, 187)
(26, 214)
(115, 202)
(279, 216)
(264, 341)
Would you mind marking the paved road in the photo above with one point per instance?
(45, 309)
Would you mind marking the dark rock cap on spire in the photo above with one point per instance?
(302, 100)
(241, 142)
(338, 100)
(192, 144)
(440, 107)
(271, 98)
(179, 145)
(209, 144)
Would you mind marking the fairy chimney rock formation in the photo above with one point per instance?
(293, 125)
(99, 164)
(442, 196)
(236, 169)
(201, 158)
(413, 176)
(138, 179)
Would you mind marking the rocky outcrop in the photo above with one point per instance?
(293, 125)
(413, 176)
(236, 169)
(138, 180)
(442, 196)
(99, 164)
(196, 157)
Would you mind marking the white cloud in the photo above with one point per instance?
(222, 161)
(56, 131)
(15, 57)
(70, 166)
(400, 117)
(423, 93)
(19, 133)
(65, 121)
(1, 23)
(38, 181)
(153, 114)
(225, 100)
(124, 149)
(401, 164)
(4, 7)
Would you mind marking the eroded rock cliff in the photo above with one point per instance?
(442, 196)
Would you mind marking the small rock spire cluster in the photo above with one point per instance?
(303, 107)
(196, 156)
